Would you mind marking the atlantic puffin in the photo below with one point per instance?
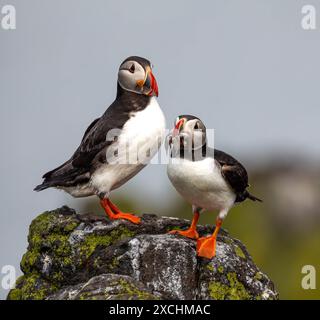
(116, 146)
(209, 179)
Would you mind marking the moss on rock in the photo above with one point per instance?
(234, 291)
(47, 232)
(220, 269)
(31, 287)
(92, 241)
(48, 238)
(239, 252)
(132, 292)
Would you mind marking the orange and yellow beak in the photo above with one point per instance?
(178, 127)
(149, 84)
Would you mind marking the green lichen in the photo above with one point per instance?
(96, 262)
(67, 261)
(19, 281)
(258, 276)
(14, 294)
(239, 252)
(238, 289)
(210, 267)
(57, 277)
(170, 228)
(56, 242)
(86, 296)
(48, 223)
(39, 226)
(228, 241)
(128, 289)
(234, 291)
(28, 260)
(59, 243)
(114, 263)
(92, 241)
(220, 269)
(69, 227)
(217, 290)
(50, 232)
(31, 287)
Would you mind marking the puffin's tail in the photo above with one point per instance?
(252, 197)
(43, 186)
(55, 176)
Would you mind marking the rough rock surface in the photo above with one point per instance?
(73, 256)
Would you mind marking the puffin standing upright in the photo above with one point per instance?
(207, 178)
(116, 146)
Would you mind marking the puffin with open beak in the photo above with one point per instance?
(116, 146)
(207, 178)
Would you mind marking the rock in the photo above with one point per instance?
(73, 256)
(106, 286)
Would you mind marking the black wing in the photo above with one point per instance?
(233, 171)
(77, 169)
(92, 149)
(50, 173)
(235, 174)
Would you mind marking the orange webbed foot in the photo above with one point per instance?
(206, 247)
(192, 231)
(189, 233)
(114, 213)
(128, 216)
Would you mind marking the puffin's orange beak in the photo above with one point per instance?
(149, 83)
(177, 127)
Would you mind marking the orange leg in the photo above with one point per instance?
(192, 231)
(114, 213)
(206, 246)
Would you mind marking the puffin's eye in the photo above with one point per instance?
(132, 68)
(196, 127)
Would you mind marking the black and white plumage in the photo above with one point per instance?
(134, 123)
(207, 178)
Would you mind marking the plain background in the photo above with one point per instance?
(247, 68)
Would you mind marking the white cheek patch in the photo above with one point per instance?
(124, 80)
(128, 80)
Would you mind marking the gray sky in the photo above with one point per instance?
(247, 68)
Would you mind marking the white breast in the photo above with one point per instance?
(144, 130)
(201, 183)
(138, 142)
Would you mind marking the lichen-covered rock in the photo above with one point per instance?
(106, 287)
(73, 256)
